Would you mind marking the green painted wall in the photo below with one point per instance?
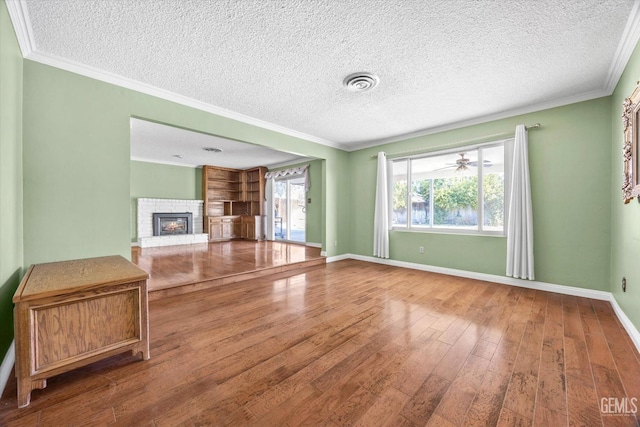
(77, 168)
(625, 219)
(11, 232)
(70, 196)
(159, 181)
(570, 183)
(314, 213)
(165, 181)
(314, 209)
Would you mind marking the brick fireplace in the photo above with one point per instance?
(181, 220)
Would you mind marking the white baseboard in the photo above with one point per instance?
(314, 245)
(7, 365)
(531, 284)
(626, 322)
(340, 257)
(9, 359)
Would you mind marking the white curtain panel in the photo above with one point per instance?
(268, 193)
(520, 218)
(381, 211)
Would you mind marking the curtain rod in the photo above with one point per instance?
(454, 144)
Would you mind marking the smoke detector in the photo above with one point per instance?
(360, 82)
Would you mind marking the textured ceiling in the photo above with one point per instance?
(282, 63)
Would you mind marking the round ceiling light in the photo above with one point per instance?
(212, 149)
(360, 82)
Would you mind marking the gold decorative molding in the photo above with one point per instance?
(631, 128)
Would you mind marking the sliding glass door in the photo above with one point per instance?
(289, 209)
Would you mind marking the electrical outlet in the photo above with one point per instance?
(421, 250)
(624, 284)
(335, 243)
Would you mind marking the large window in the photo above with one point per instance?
(461, 191)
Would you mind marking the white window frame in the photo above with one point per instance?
(480, 231)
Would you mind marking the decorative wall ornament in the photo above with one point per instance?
(630, 155)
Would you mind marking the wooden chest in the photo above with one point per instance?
(72, 313)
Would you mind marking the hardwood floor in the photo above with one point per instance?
(355, 343)
(174, 270)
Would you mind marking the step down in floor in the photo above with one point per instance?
(183, 288)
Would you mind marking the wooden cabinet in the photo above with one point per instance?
(72, 313)
(235, 228)
(252, 227)
(233, 193)
(214, 225)
(224, 228)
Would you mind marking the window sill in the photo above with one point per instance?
(450, 231)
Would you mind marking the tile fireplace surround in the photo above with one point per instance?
(146, 209)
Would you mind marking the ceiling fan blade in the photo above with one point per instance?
(484, 162)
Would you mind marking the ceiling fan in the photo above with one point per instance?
(462, 164)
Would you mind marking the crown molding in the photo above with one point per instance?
(125, 82)
(21, 24)
(484, 119)
(628, 42)
(20, 19)
(117, 80)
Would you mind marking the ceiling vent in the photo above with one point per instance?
(360, 82)
(212, 149)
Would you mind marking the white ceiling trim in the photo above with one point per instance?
(19, 17)
(117, 80)
(628, 42)
(484, 119)
(21, 24)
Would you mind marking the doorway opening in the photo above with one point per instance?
(289, 219)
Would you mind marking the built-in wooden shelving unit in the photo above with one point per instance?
(233, 202)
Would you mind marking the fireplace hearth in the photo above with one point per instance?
(174, 223)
